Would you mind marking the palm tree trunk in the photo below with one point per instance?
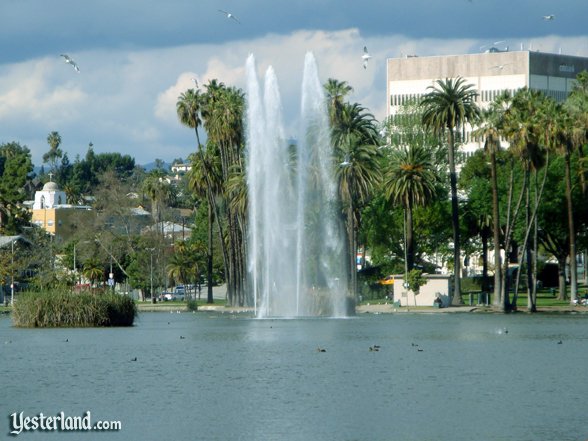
(351, 251)
(209, 256)
(409, 239)
(496, 229)
(571, 230)
(456, 297)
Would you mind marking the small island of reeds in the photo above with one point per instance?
(55, 309)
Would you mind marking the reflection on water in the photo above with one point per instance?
(208, 377)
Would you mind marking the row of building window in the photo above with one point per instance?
(50, 223)
(484, 95)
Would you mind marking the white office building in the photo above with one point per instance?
(490, 73)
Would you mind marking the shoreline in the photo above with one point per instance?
(369, 309)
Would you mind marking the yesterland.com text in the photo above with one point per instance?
(60, 422)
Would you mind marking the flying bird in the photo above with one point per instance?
(68, 60)
(549, 17)
(229, 15)
(365, 57)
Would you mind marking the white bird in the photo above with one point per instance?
(229, 15)
(365, 57)
(346, 162)
(548, 17)
(70, 61)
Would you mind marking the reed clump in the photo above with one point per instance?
(62, 308)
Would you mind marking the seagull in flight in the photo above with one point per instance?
(549, 17)
(68, 60)
(229, 15)
(365, 57)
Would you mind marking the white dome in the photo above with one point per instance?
(50, 186)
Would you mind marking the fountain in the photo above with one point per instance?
(296, 238)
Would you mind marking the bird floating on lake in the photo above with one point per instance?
(549, 17)
(229, 15)
(365, 57)
(68, 60)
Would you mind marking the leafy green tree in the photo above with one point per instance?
(15, 166)
(449, 106)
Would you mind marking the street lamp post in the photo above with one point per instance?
(153, 300)
(12, 274)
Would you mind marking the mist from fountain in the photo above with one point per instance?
(296, 260)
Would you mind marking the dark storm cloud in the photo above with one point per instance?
(32, 28)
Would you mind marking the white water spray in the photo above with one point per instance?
(296, 253)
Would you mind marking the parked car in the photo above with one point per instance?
(165, 296)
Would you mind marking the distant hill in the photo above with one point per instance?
(151, 165)
(147, 167)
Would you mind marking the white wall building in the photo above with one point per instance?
(490, 73)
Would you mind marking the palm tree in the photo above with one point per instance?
(566, 136)
(336, 92)
(189, 109)
(577, 105)
(490, 128)
(410, 181)
(355, 138)
(54, 153)
(158, 191)
(525, 126)
(223, 120)
(448, 106)
(93, 270)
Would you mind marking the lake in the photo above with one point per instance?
(211, 376)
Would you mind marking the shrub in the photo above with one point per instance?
(61, 308)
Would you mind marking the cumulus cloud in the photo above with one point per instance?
(125, 99)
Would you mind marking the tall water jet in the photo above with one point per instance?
(296, 253)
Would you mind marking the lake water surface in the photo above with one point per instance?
(209, 376)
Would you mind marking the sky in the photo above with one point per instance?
(137, 56)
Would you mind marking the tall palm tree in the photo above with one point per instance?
(449, 106)
(566, 136)
(223, 120)
(577, 105)
(54, 153)
(189, 109)
(336, 92)
(355, 138)
(490, 128)
(410, 181)
(525, 126)
(158, 191)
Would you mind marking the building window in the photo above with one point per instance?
(42, 202)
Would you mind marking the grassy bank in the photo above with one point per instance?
(66, 309)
